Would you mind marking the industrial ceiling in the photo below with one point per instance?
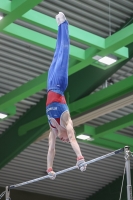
(27, 40)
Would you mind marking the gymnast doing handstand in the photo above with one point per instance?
(56, 107)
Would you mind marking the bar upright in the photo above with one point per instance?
(128, 173)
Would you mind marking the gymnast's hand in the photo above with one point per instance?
(51, 173)
(81, 163)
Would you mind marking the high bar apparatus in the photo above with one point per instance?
(127, 156)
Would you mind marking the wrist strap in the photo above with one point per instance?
(49, 169)
(80, 158)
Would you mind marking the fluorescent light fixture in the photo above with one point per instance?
(1, 15)
(2, 116)
(84, 137)
(107, 60)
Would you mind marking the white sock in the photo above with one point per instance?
(60, 18)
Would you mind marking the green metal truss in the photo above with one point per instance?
(48, 23)
(103, 96)
(27, 90)
(111, 127)
(18, 8)
(41, 40)
(11, 144)
(92, 102)
(106, 135)
(10, 110)
(75, 33)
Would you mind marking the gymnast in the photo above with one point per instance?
(56, 107)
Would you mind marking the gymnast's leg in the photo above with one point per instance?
(58, 72)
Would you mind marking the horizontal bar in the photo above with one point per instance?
(68, 169)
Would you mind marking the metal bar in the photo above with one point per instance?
(128, 173)
(66, 170)
(7, 196)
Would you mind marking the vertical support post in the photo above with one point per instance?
(105, 84)
(128, 173)
(7, 195)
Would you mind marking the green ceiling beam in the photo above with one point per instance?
(5, 6)
(25, 128)
(15, 4)
(110, 140)
(119, 39)
(103, 96)
(10, 111)
(113, 126)
(88, 53)
(76, 34)
(121, 88)
(115, 137)
(11, 144)
(23, 91)
(90, 102)
(18, 8)
(40, 40)
(105, 135)
(49, 23)
(122, 38)
(39, 83)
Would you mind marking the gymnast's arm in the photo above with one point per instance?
(51, 153)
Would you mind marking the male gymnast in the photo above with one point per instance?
(56, 108)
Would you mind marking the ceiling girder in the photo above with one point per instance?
(18, 8)
(23, 91)
(40, 40)
(103, 96)
(106, 135)
(103, 110)
(91, 103)
(113, 126)
(11, 144)
(32, 87)
(76, 34)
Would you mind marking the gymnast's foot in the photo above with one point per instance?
(60, 18)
